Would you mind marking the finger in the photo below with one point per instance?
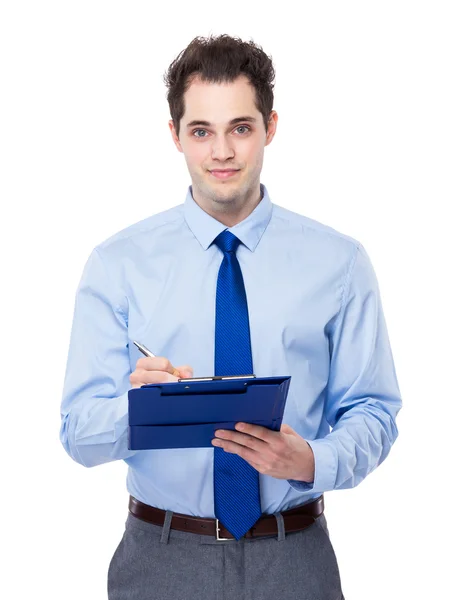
(262, 433)
(156, 363)
(185, 371)
(244, 452)
(140, 376)
(241, 438)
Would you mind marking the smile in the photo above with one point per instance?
(223, 174)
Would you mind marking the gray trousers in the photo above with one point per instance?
(158, 563)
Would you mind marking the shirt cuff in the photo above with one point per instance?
(325, 468)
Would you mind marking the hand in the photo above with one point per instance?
(281, 454)
(157, 370)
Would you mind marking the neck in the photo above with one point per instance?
(230, 213)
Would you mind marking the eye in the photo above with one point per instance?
(196, 131)
(242, 127)
(238, 127)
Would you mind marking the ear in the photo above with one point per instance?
(175, 136)
(272, 126)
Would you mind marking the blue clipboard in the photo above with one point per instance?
(187, 413)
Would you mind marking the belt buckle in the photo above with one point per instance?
(217, 532)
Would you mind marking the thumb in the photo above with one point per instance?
(288, 430)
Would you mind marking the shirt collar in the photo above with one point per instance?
(205, 228)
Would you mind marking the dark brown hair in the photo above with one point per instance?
(220, 59)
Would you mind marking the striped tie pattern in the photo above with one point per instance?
(236, 483)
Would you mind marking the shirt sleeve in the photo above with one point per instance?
(94, 408)
(363, 396)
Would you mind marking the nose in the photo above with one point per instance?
(221, 148)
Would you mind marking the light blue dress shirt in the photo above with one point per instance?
(315, 314)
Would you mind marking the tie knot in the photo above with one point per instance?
(227, 241)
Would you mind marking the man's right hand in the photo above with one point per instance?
(157, 370)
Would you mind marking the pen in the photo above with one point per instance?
(150, 354)
(144, 349)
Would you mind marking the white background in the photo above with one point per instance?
(367, 142)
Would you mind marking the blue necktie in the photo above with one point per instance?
(236, 483)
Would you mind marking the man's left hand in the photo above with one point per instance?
(281, 454)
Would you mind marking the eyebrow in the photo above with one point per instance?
(232, 122)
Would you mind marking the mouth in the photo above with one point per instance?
(224, 173)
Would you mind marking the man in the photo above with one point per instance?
(229, 282)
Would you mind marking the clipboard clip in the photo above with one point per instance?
(217, 378)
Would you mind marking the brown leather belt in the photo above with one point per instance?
(295, 519)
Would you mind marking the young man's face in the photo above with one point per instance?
(221, 144)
